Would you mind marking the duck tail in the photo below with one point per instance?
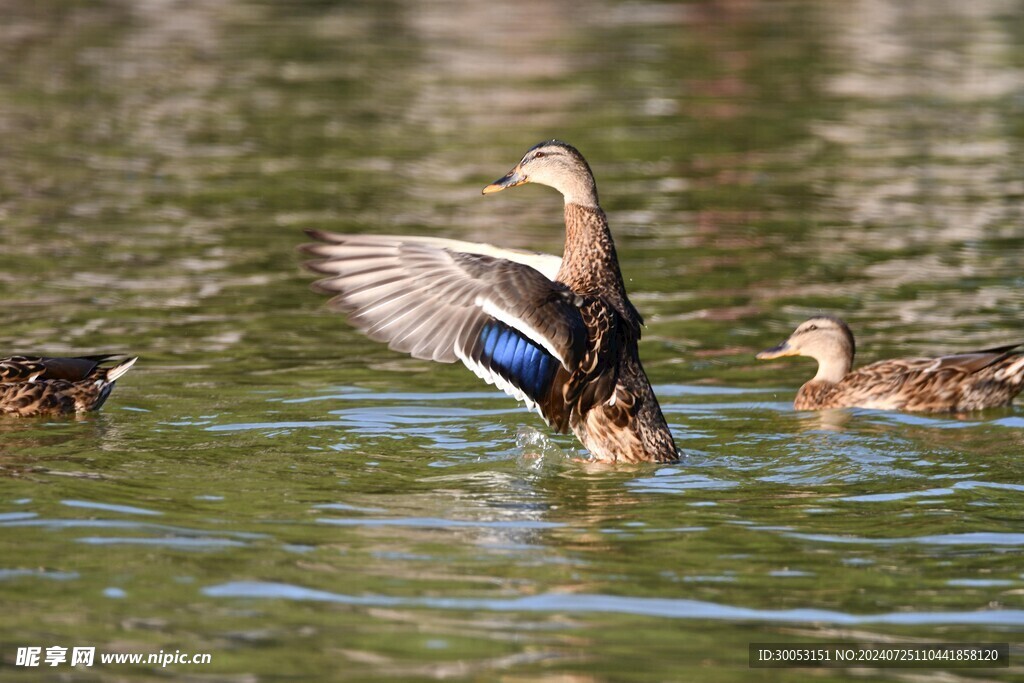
(121, 368)
(99, 390)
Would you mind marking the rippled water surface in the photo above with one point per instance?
(271, 488)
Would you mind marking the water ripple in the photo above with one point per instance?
(673, 608)
(109, 507)
(677, 481)
(981, 538)
(438, 523)
(184, 543)
(38, 574)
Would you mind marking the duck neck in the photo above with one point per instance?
(834, 368)
(590, 264)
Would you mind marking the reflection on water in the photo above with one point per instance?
(268, 484)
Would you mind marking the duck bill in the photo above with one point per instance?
(783, 349)
(511, 179)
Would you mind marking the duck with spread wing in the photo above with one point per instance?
(558, 334)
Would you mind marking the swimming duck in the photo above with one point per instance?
(34, 386)
(558, 334)
(958, 383)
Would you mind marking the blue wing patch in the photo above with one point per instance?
(518, 360)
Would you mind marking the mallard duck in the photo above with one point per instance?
(558, 334)
(958, 383)
(32, 386)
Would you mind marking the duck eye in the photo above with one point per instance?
(539, 155)
(811, 328)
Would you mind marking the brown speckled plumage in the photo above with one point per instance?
(40, 386)
(630, 427)
(560, 335)
(956, 383)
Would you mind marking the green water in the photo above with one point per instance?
(269, 487)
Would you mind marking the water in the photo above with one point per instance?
(269, 487)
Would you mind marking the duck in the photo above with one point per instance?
(33, 386)
(558, 334)
(958, 383)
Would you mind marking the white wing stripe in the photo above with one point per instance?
(499, 382)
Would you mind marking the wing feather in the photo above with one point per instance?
(336, 244)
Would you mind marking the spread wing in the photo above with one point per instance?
(493, 310)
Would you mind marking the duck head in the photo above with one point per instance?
(555, 164)
(824, 338)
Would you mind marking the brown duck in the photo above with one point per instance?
(558, 334)
(32, 387)
(958, 383)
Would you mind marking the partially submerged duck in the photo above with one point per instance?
(35, 386)
(559, 334)
(956, 383)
